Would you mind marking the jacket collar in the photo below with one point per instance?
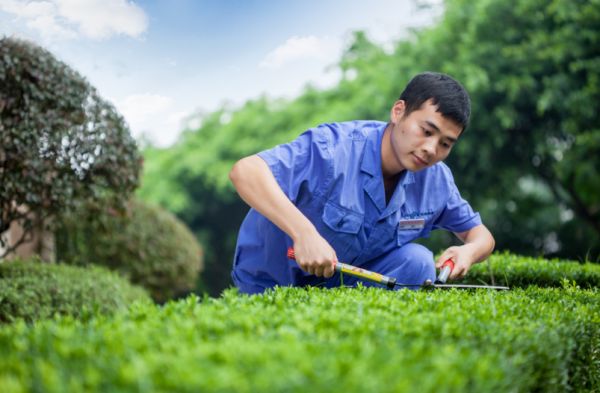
(373, 185)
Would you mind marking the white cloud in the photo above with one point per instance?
(27, 9)
(136, 107)
(152, 116)
(102, 18)
(302, 48)
(50, 28)
(67, 19)
(40, 16)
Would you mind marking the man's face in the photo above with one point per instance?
(422, 138)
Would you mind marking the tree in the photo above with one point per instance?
(532, 68)
(60, 142)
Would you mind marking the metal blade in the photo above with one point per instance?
(429, 285)
(468, 286)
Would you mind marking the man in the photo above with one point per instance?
(360, 192)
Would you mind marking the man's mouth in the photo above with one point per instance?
(420, 160)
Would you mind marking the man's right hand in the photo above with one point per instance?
(315, 256)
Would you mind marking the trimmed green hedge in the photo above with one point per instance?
(298, 340)
(148, 245)
(519, 271)
(34, 290)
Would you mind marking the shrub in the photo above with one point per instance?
(33, 290)
(519, 271)
(148, 245)
(60, 142)
(298, 340)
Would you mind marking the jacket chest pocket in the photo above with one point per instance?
(342, 229)
(407, 235)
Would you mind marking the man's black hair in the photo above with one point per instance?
(450, 97)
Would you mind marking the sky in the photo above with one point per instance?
(162, 63)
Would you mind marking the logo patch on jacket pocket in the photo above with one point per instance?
(417, 223)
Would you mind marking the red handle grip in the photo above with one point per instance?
(449, 262)
(445, 271)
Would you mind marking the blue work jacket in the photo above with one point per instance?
(332, 173)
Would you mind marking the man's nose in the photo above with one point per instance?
(430, 146)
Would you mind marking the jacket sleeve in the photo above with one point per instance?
(457, 214)
(303, 165)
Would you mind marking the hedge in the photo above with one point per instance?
(520, 271)
(148, 245)
(33, 290)
(318, 340)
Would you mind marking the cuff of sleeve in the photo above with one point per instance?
(268, 158)
(272, 162)
(465, 226)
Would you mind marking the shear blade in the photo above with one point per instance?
(467, 286)
(430, 285)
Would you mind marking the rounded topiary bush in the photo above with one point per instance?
(34, 290)
(146, 244)
(60, 142)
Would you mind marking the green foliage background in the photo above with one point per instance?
(528, 162)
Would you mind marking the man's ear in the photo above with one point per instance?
(397, 111)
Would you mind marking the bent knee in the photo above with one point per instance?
(417, 252)
(421, 258)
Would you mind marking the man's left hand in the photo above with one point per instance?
(462, 257)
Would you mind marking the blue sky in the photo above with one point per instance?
(161, 62)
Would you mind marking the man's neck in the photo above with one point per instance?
(389, 185)
(390, 167)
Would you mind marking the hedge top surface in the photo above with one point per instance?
(296, 339)
(519, 271)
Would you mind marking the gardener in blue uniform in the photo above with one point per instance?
(360, 192)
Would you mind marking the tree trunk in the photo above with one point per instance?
(41, 243)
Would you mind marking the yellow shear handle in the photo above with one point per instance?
(355, 271)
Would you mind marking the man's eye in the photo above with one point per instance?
(427, 132)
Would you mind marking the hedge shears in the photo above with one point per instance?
(391, 283)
